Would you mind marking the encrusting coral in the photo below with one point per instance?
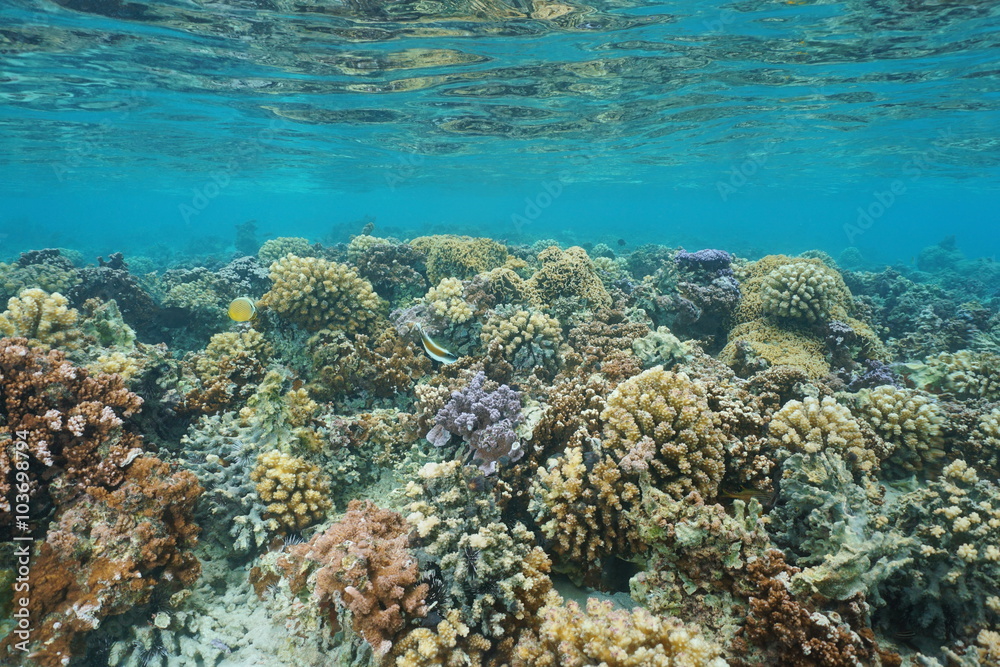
(361, 563)
(42, 318)
(610, 637)
(296, 492)
(317, 293)
(659, 423)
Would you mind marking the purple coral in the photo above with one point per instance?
(705, 260)
(483, 419)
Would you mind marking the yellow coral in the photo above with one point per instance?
(661, 422)
(907, 418)
(568, 273)
(965, 373)
(459, 256)
(116, 363)
(424, 647)
(295, 491)
(812, 425)
(610, 637)
(361, 243)
(300, 408)
(44, 319)
(318, 293)
(447, 301)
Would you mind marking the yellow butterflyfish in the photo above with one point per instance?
(242, 310)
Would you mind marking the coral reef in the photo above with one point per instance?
(227, 370)
(317, 293)
(803, 291)
(912, 421)
(361, 563)
(530, 339)
(964, 374)
(274, 249)
(446, 301)
(814, 425)
(659, 423)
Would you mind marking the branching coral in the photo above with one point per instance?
(953, 586)
(530, 339)
(660, 422)
(42, 318)
(568, 273)
(813, 425)
(363, 566)
(46, 269)
(318, 293)
(803, 291)
(485, 419)
(610, 637)
(395, 270)
(71, 425)
(490, 572)
(604, 344)
(987, 439)
(579, 502)
(294, 489)
(106, 553)
(459, 256)
(446, 301)
(274, 249)
(912, 421)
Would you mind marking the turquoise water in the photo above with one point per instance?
(751, 125)
(453, 314)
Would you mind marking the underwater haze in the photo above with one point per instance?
(499, 333)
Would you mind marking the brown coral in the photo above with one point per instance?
(459, 256)
(227, 370)
(568, 273)
(364, 566)
(71, 424)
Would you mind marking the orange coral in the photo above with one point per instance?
(364, 566)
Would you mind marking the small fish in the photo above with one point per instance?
(242, 310)
(622, 242)
(433, 350)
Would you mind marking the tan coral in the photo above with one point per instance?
(274, 249)
(296, 492)
(660, 422)
(566, 273)
(909, 419)
(777, 346)
(44, 319)
(318, 293)
(529, 338)
(446, 301)
(813, 425)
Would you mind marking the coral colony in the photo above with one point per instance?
(451, 451)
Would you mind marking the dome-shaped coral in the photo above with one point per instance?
(661, 422)
(802, 291)
(446, 301)
(318, 293)
(812, 425)
(529, 338)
